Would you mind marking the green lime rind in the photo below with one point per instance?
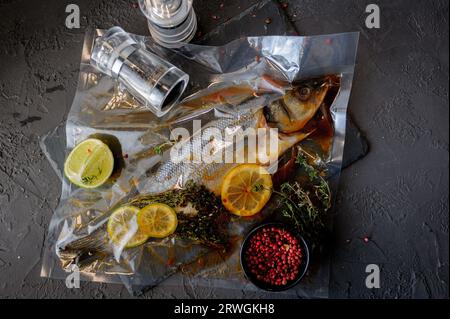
(89, 164)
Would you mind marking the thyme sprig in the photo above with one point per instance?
(160, 148)
(306, 204)
(210, 223)
(257, 187)
(88, 179)
(319, 184)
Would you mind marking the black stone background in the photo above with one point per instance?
(396, 196)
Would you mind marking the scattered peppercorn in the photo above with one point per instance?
(274, 256)
(125, 155)
(268, 21)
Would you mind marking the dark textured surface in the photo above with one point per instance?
(397, 196)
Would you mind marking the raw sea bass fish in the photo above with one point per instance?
(191, 189)
(290, 115)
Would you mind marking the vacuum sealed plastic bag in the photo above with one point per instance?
(170, 205)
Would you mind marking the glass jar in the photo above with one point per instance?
(154, 82)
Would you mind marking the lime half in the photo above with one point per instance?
(123, 228)
(89, 164)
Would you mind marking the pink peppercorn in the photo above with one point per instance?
(273, 256)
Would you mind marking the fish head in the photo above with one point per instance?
(297, 107)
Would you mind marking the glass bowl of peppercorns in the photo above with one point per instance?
(274, 256)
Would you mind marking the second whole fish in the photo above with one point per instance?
(289, 115)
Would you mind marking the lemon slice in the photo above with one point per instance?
(246, 189)
(123, 228)
(157, 220)
(89, 164)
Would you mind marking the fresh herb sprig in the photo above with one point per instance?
(210, 223)
(87, 180)
(306, 204)
(159, 149)
(320, 185)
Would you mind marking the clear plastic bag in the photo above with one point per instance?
(229, 85)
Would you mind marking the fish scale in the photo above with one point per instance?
(171, 174)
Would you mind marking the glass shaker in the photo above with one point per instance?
(154, 82)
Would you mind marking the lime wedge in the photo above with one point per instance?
(89, 164)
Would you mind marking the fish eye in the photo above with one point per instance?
(304, 93)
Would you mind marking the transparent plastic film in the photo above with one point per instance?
(125, 230)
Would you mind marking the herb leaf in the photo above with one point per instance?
(208, 226)
(306, 204)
